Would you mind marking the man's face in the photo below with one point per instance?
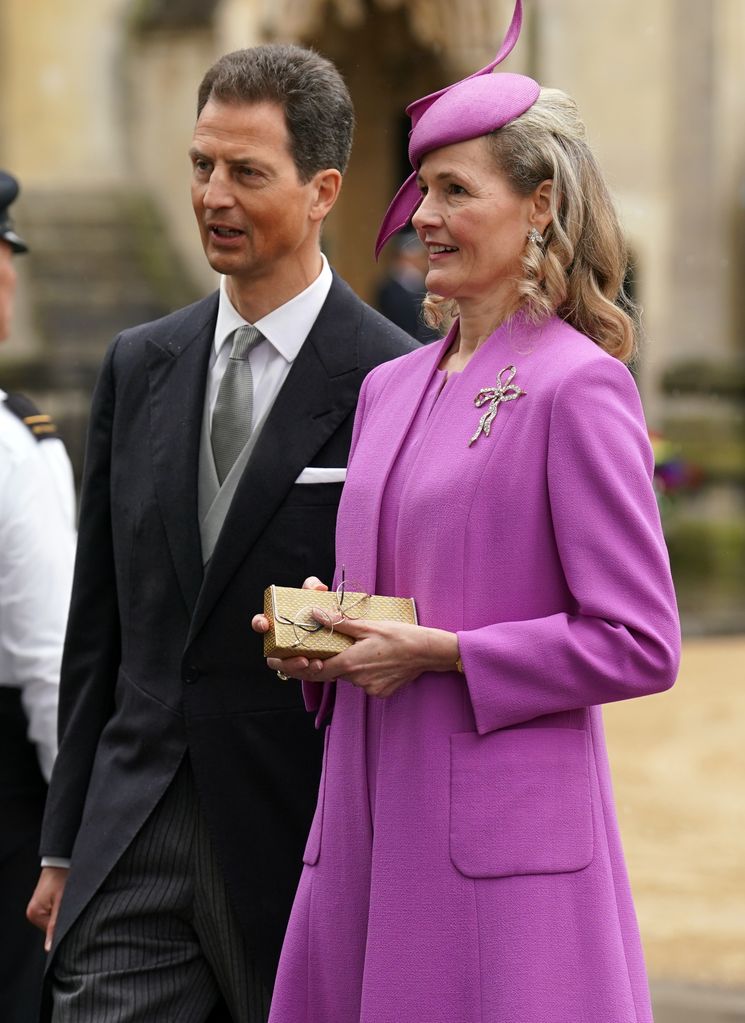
(258, 222)
(7, 289)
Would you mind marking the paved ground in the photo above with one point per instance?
(683, 1003)
(679, 767)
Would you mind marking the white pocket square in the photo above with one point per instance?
(322, 475)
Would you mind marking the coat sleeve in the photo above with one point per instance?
(92, 644)
(619, 637)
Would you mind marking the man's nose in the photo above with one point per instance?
(218, 193)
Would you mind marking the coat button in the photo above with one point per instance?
(191, 674)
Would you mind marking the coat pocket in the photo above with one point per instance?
(313, 845)
(520, 802)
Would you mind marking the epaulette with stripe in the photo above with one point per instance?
(39, 423)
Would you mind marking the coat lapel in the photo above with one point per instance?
(319, 393)
(358, 533)
(403, 396)
(177, 371)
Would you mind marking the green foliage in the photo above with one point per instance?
(708, 565)
(714, 445)
(712, 438)
(703, 550)
(722, 378)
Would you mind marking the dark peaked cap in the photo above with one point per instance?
(9, 189)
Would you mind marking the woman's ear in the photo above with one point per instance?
(541, 215)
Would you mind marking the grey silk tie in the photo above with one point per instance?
(231, 420)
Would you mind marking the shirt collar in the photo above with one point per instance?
(285, 327)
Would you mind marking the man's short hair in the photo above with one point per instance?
(309, 88)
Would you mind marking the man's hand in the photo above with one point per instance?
(44, 906)
(260, 623)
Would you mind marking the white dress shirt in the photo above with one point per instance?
(37, 549)
(285, 329)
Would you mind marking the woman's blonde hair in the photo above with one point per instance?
(578, 270)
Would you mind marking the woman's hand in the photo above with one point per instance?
(384, 656)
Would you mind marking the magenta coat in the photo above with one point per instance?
(484, 881)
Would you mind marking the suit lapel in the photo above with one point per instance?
(319, 393)
(177, 371)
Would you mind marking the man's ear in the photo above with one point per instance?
(326, 187)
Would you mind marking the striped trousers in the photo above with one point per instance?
(159, 941)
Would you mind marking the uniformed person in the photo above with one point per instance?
(37, 541)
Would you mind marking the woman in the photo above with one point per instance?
(464, 864)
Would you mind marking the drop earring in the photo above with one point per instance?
(535, 236)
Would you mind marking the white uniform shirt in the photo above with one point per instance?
(37, 548)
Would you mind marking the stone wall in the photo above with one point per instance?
(100, 93)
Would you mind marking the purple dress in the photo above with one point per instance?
(389, 581)
(464, 863)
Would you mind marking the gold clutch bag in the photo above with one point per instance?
(294, 632)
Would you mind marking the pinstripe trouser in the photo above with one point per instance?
(159, 941)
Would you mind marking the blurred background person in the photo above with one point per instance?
(37, 542)
(402, 290)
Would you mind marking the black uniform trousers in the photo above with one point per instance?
(22, 795)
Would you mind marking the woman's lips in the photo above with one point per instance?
(438, 251)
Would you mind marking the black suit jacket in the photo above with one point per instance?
(160, 657)
(403, 307)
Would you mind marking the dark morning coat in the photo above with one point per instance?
(160, 658)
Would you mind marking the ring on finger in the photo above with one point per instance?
(281, 675)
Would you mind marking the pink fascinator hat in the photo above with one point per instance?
(472, 107)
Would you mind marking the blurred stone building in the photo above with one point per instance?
(97, 106)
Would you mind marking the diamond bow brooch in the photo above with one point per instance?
(504, 390)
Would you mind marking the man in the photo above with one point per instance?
(402, 290)
(37, 545)
(187, 772)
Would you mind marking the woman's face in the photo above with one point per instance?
(472, 223)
